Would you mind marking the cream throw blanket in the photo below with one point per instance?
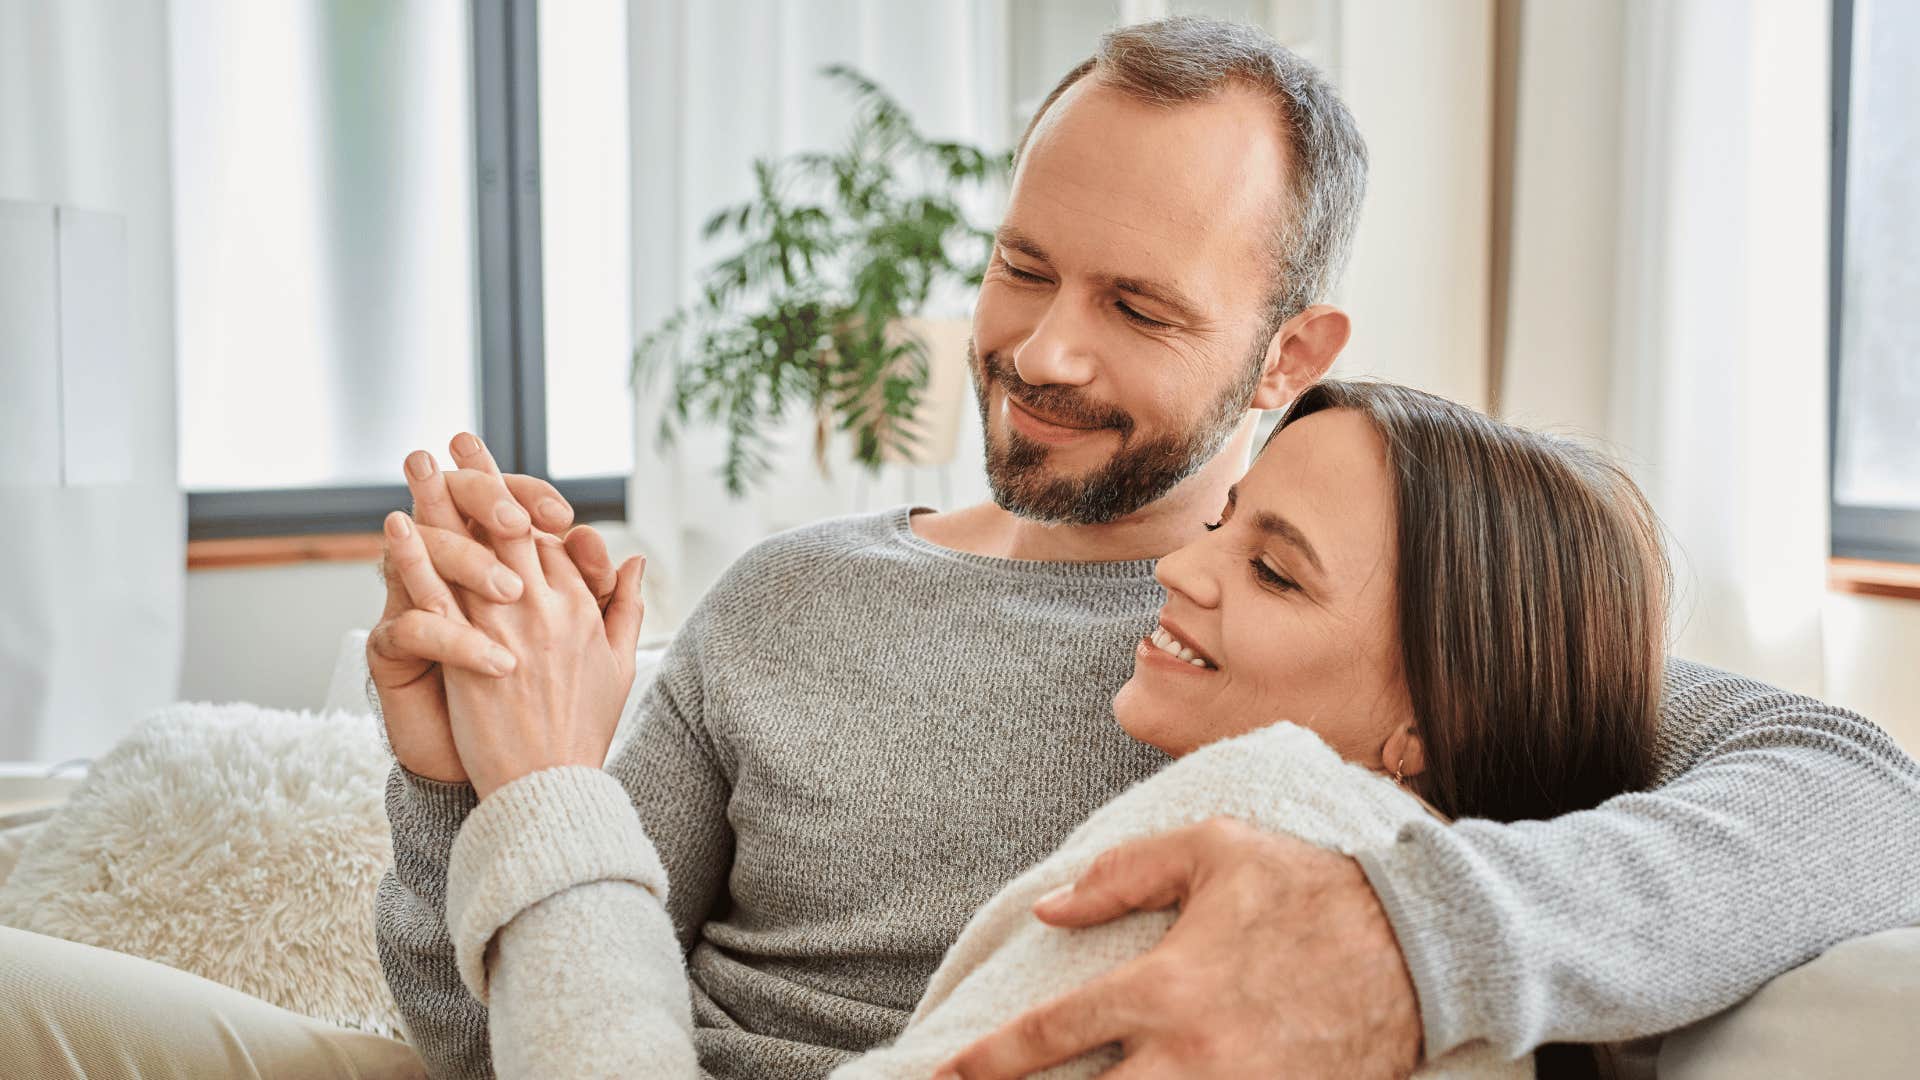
(554, 903)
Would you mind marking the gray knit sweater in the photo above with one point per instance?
(859, 736)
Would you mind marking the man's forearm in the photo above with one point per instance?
(446, 1025)
(1798, 827)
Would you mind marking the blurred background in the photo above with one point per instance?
(253, 253)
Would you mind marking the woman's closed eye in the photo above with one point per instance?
(1272, 578)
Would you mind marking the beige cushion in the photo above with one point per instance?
(14, 834)
(1852, 1012)
(239, 843)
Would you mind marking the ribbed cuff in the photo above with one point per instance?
(438, 799)
(1429, 936)
(530, 839)
(424, 816)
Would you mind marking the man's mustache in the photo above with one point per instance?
(1062, 403)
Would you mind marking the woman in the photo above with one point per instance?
(1470, 622)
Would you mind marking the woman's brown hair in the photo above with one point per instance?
(1533, 591)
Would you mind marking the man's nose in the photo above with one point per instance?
(1059, 352)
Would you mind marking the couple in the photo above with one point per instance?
(871, 726)
(1340, 585)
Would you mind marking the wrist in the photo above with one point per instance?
(1394, 996)
(487, 781)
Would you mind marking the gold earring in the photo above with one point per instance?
(1397, 775)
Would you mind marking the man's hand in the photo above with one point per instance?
(416, 635)
(1282, 963)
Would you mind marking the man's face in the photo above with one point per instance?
(1116, 342)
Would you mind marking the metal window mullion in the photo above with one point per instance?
(530, 371)
(1842, 72)
(507, 231)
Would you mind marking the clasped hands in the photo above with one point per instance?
(503, 648)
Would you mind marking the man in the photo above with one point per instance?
(871, 724)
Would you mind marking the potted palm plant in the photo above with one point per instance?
(821, 303)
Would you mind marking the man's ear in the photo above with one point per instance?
(1299, 353)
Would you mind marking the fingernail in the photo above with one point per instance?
(506, 582)
(1055, 896)
(466, 445)
(510, 516)
(499, 660)
(553, 510)
(419, 464)
(397, 525)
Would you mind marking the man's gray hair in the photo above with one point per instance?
(1189, 58)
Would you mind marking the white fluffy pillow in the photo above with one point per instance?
(240, 843)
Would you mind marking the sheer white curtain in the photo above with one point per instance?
(1668, 292)
(715, 84)
(92, 561)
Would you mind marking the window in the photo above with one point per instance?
(395, 222)
(1875, 336)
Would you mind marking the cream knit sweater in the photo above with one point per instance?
(556, 903)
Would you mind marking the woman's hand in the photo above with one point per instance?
(558, 702)
(422, 628)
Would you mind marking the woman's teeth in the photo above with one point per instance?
(1170, 645)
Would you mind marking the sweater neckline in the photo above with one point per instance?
(1123, 572)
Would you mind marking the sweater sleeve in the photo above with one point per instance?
(1783, 826)
(669, 772)
(556, 904)
(445, 1025)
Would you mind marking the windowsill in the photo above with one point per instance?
(225, 554)
(1865, 577)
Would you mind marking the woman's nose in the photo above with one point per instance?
(1187, 572)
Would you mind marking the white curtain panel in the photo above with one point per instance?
(1668, 293)
(92, 560)
(717, 83)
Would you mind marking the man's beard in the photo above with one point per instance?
(1137, 474)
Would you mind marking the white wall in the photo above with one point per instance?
(269, 634)
(1419, 79)
(1873, 661)
(90, 577)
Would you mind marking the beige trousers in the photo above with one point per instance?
(69, 1010)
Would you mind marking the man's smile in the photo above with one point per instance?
(1040, 428)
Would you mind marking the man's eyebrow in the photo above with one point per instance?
(1165, 295)
(1276, 526)
(1026, 245)
(1183, 307)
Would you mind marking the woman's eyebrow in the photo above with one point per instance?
(1287, 532)
(1280, 529)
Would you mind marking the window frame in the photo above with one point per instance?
(508, 300)
(1877, 533)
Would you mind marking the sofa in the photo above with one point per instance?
(1849, 1012)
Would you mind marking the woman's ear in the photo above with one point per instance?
(1403, 752)
(1299, 354)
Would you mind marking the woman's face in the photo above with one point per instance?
(1289, 603)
